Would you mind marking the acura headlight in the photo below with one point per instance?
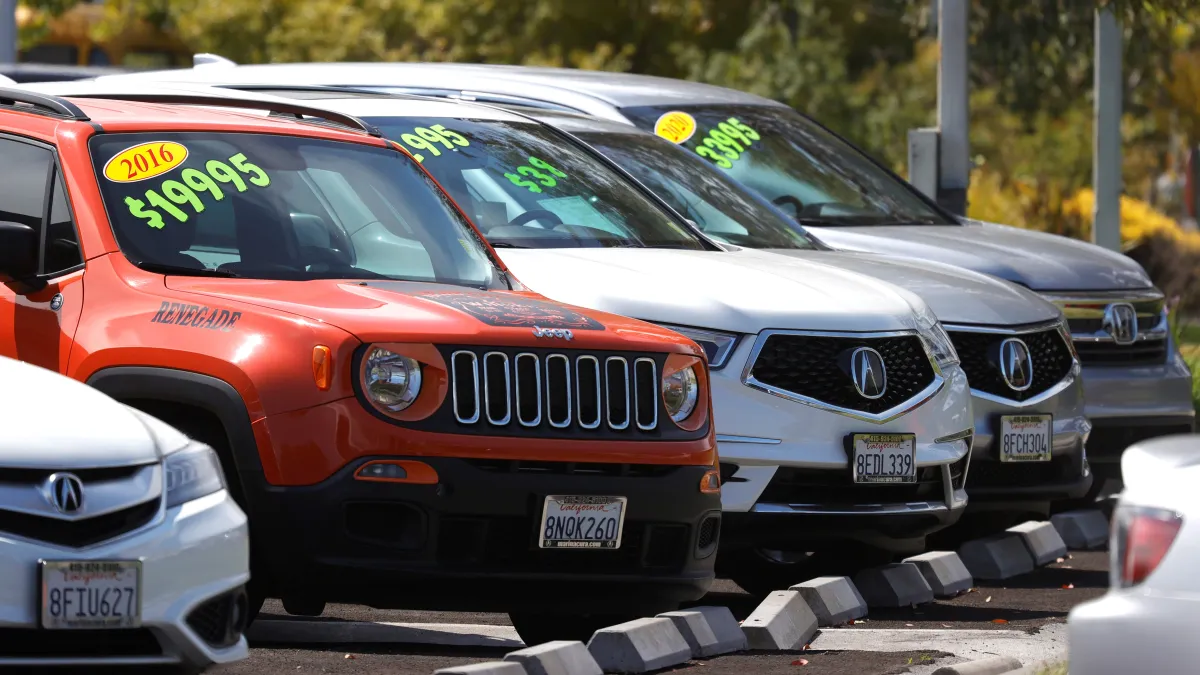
(937, 340)
(192, 473)
(679, 392)
(390, 380)
(717, 346)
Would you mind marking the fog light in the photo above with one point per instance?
(382, 470)
(710, 484)
(397, 471)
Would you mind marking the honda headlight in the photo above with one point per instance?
(192, 473)
(937, 340)
(390, 381)
(717, 346)
(679, 392)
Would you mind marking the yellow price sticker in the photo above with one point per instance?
(675, 126)
(144, 161)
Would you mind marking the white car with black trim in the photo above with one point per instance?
(119, 544)
(842, 413)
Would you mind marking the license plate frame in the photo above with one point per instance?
(1006, 420)
(863, 479)
(47, 621)
(576, 543)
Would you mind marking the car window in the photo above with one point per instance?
(281, 207)
(25, 176)
(720, 207)
(792, 162)
(527, 187)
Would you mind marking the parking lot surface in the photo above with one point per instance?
(1022, 614)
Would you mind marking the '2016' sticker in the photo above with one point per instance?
(725, 144)
(145, 161)
(171, 194)
(547, 177)
(675, 126)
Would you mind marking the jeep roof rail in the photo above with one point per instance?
(280, 107)
(40, 104)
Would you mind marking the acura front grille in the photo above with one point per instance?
(559, 390)
(978, 353)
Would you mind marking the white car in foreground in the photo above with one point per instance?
(119, 544)
(1147, 621)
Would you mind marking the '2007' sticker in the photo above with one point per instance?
(144, 161)
(172, 194)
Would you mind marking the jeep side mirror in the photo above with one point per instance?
(18, 251)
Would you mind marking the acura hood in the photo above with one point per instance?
(956, 295)
(1040, 261)
(54, 422)
(741, 291)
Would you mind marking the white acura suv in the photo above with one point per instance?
(119, 544)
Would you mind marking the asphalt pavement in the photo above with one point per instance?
(1022, 617)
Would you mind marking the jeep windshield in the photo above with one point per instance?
(791, 161)
(526, 187)
(720, 207)
(281, 207)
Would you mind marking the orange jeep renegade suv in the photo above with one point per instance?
(404, 423)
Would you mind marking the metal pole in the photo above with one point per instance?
(1106, 155)
(8, 31)
(954, 153)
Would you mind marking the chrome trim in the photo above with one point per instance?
(653, 387)
(487, 400)
(549, 404)
(1157, 334)
(579, 393)
(1067, 381)
(454, 385)
(730, 438)
(608, 393)
(537, 387)
(855, 510)
(1136, 295)
(888, 415)
(955, 437)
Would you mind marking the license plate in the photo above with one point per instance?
(1025, 438)
(885, 458)
(574, 521)
(91, 594)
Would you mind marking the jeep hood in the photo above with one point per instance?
(407, 311)
(956, 295)
(1040, 261)
(741, 291)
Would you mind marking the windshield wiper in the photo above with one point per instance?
(504, 244)
(182, 271)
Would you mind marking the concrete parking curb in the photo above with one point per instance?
(709, 631)
(488, 668)
(783, 621)
(1042, 540)
(944, 571)
(893, 585)
(997, 665)
(639, 646)
(997, 557)
(1082, 530)
(561, 657)
(834, 600)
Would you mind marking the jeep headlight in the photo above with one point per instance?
(192, 473)
(937, 340)
(680, 391)
(390, 381)
(717, 346)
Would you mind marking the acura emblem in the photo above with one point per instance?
(1016, 367)
(1120, 320)
(563, 333)
(868, 373)
(65, 492)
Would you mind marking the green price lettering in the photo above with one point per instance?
(172, 194)
(539, 169)
(435, 140)
(725, 144)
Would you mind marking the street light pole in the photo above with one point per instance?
(1106, 155)
(8, 31)
(954, 152)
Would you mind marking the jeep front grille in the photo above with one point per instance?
(559, 390)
